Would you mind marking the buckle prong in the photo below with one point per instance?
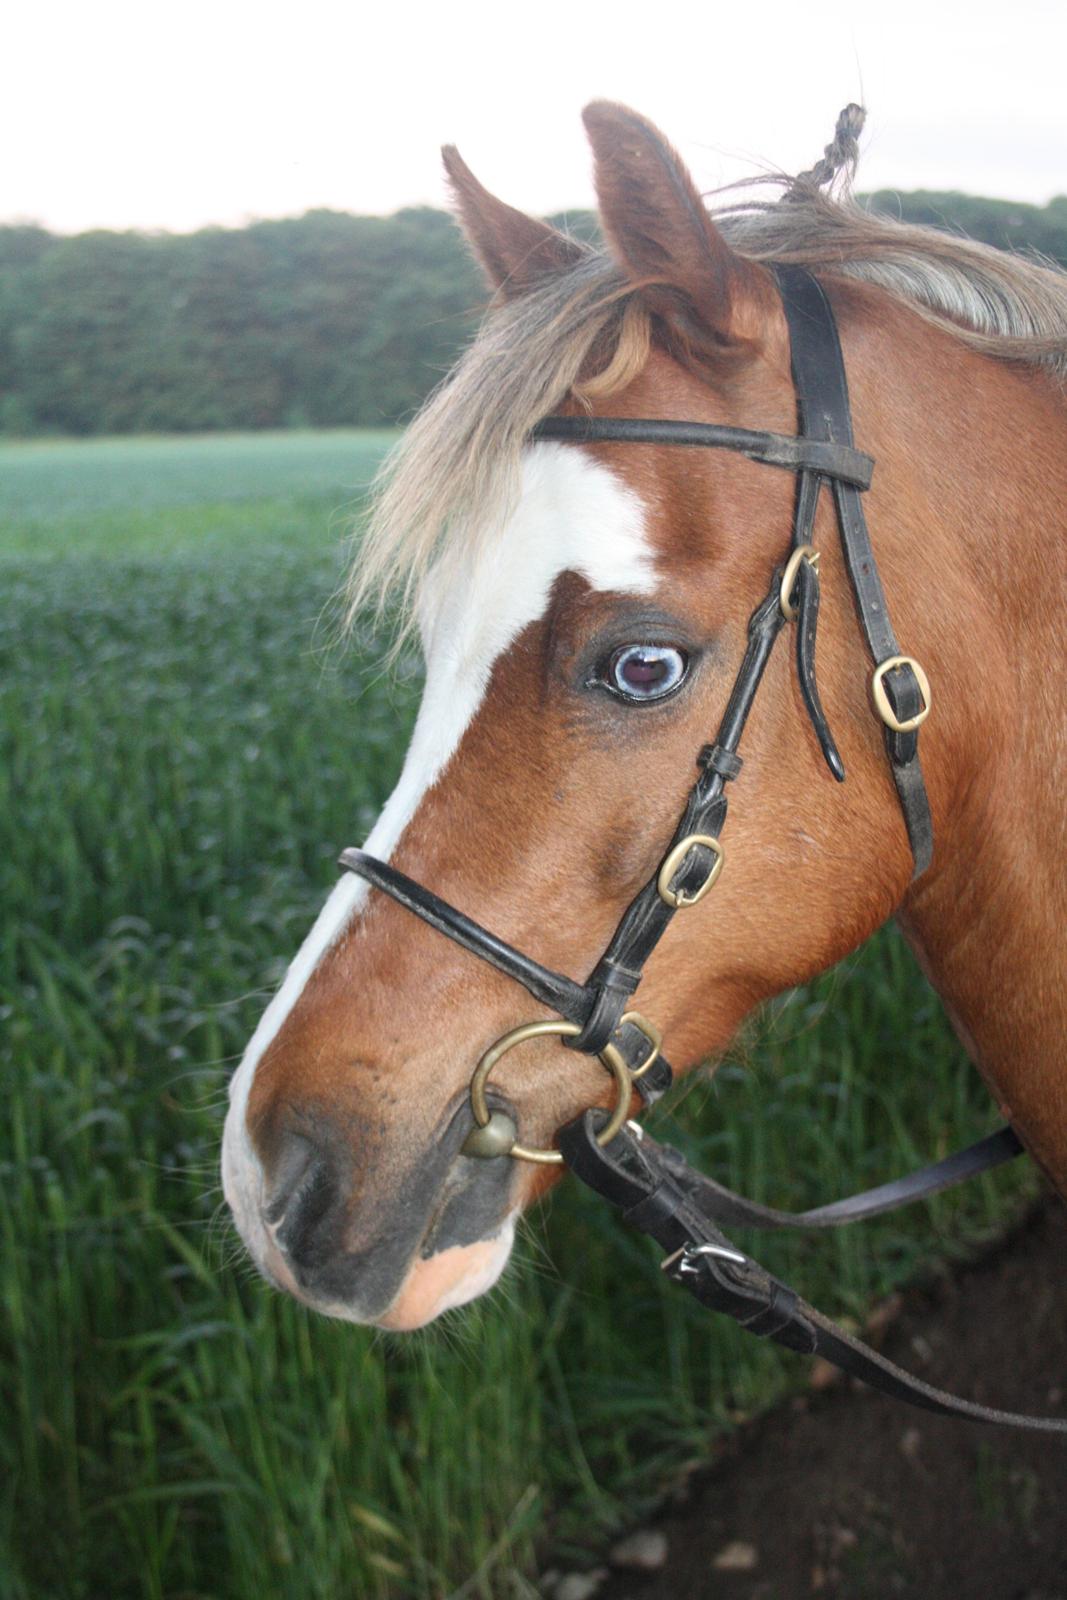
(686, 1258)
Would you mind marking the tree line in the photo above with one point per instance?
(325, 320)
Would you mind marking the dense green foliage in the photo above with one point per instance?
(1007, 224)
(181, 755)
(325, 320)
(318, 321)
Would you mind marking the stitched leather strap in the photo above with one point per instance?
(648, 916)
(574, 1001)
(659, 1194)
(793, 452)
(730, 1210)
(562, 994)
(824, 413)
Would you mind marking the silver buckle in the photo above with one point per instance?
(686, 1257)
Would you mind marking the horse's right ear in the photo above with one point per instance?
(514, 251)
(706, 295)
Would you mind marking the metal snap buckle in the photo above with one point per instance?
(881, 699)
(610, 1056)
(803, 552)
(686, 1259)
(676, 899)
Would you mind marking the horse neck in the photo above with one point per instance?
(988, 600)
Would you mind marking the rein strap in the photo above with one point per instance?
(659, 1194)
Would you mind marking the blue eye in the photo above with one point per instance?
(646, 671)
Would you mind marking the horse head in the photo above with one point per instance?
(582, 609)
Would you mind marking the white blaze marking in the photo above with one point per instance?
(572, 515)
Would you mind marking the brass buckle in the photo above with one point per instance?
(610, 1056)
(677, 899)
(881, 699)
(803, 552)
(653, 1034)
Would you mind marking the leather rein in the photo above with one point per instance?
(652, 1184)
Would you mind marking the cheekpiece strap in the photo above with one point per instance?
(824, 413)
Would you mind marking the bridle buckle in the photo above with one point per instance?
(881, 698)
(803, 552)
(677, 899)
(653, 1034)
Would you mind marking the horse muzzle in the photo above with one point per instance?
(435, 1234)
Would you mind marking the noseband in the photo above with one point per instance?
(652, 1184)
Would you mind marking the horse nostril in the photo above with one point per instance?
(309, 1230)
(290, 1167)
(329, 1246)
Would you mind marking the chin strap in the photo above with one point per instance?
(660, 1194)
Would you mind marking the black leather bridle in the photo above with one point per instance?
(652, 1184)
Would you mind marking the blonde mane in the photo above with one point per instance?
(446, 489)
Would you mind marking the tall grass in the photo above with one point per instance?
(180, 760)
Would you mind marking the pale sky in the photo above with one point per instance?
(141, 115)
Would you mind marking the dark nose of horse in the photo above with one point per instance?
(291, 1164)
(338, 1251)
(303, 1202)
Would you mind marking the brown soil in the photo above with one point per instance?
(848, 1496)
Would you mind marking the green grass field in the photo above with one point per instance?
(182, 756)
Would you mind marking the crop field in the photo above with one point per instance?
(184, 751)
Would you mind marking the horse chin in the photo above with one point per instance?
(433, 1284)
(448, 1279)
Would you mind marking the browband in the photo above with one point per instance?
(793, 452)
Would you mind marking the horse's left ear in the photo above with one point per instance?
(515, 251)
(660, 232)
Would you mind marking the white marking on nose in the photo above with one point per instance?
(572, 515)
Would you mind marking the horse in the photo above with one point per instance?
(582, 607)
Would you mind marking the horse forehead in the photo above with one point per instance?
(573, 514)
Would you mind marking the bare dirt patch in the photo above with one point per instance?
(847, 1496)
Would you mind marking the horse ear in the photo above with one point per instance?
(659, 230)
(515, 251)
